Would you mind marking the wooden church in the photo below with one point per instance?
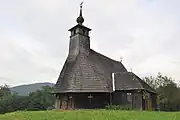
(90, 80)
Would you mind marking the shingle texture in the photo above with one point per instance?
(88, 73)
(130, 81)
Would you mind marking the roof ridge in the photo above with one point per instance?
(139, 79)
(105, 56)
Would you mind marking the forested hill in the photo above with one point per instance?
(24, 90)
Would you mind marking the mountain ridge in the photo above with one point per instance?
(24, 90)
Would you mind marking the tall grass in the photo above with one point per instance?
(91, 115)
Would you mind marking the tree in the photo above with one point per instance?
(158, 81)
(4, 91)
(168, 92)
(13, 103)
(41, 99)
(10, 102)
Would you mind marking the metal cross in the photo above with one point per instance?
(90, 96)
(81, 4)
(121, 59)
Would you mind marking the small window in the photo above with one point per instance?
(74, 32)
(84, 32)
(136, 98)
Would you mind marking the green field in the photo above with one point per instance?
(91, 115)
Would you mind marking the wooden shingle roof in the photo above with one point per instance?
(88, 74)
(130, 81)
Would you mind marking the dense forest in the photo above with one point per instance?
(168, 96)
(42, 99)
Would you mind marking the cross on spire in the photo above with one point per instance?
(81, 4)
(80, 19)
(121, 59)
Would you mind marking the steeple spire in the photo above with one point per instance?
(80, 19)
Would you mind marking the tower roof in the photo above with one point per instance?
(80, 21)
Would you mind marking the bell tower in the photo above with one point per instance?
(79, 39)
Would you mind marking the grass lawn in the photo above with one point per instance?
(91, 115)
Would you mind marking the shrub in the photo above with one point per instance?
(118, 107)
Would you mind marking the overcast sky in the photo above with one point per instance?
(35, 39)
